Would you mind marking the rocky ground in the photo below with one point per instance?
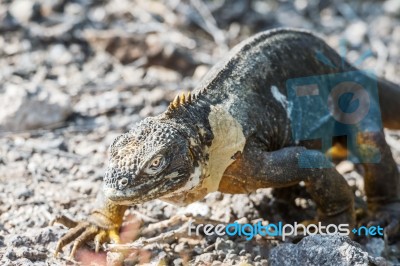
(75, 74)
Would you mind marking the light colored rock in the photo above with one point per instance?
(22, 10)
(392, 7)
(320, 250)
(375, 246)
(59, 55)
(356, 32)
(345, 167)
(200, 72)
(206, 258)
(115, 258)
(94, 105)
(196, 209)
(159, 73)
(224, 245)
(23, 109)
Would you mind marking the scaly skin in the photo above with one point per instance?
(233, 134)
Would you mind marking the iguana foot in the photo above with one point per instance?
(388, 217)
(99, 228)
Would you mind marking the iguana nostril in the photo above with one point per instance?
(123, 182)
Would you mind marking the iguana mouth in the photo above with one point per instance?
(137, 194)
(131, 195)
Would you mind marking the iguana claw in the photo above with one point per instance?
(101, 226)
(388, 217)
(83, 231)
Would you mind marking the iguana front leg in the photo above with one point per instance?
(256, 168)
(102, 226)
(382, 183)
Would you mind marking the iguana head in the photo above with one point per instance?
(148, 162)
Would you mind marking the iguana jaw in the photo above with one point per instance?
(143, 192)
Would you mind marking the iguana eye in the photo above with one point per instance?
(155, 165)
(156, 162)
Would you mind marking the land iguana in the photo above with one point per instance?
(233, 134)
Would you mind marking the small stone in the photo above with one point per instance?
(392, 7)
(356, 32)
(82, 186)
(24, 193)
(156, 95)
(378, 261)
(93, 105)
(181, 247)
(24, 262)
(177, 262)
(375, 246)
(345, 167)
(248, 256)
(317, 250)
(10, 254)
(30, 253)
(231, 251)
(46, 235)
(18, 241)
(231, 257)
(22, 109)
(8, 22)
(58, 54)
(243, 208)
(22, 10)
(206, 257)
(200, 72)
(221, 255)
(196, 209)
(146, 111)
(162, 74)
(224, 245)
(257, 258)
(115, 258)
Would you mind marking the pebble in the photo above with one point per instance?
(356, 33)
(22, 108)
(29, 253)
(206, 257)
(224, 245)
(94, 105)
(178, 262)
(22, 10)
(18, 241)
(196, 209)
(115, 258)
(392, 7)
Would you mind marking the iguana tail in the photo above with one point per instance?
(389, 101)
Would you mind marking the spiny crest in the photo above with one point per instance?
(182, 100)
(179, 101)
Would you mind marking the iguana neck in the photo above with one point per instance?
(192, 121)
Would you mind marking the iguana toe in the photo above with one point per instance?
(388, 217)
(84, 231)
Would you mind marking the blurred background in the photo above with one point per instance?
(75, 74)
